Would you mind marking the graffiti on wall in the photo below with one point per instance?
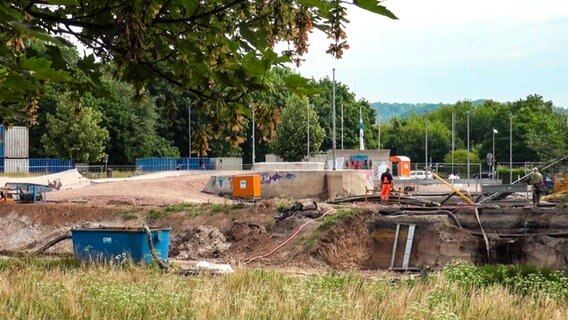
(222, 181)
(270, 177)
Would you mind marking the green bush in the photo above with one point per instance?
(526, 280)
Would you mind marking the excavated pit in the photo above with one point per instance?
(526, 236)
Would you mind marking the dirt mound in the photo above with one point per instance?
(200, 242)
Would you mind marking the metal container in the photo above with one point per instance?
(193, 164)
(16, 142)
(156, 164)
(227, 163)
(48, 165)
(15, 166)
(119, 244)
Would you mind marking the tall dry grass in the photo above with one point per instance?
(39, 290)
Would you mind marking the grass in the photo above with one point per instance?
(193, 210)
(34, 290)
(329, 221)
(154, 214)
(129, 214)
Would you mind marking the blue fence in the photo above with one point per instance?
(165, 164)
(48, 165)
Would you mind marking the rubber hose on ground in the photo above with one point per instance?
(159, 261)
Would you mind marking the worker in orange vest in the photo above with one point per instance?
(386, 184)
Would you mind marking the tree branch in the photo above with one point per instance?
(73, 22)
(201, 15)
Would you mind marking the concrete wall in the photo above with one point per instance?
(227, 163)
(300, 183)
(282, 166)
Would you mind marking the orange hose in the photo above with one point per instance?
(289, 239)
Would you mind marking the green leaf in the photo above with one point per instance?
(375, 7)
(295, 81)
(256, 38)
(42, 70)
(8, 14)
(254, 65)
(190, 6)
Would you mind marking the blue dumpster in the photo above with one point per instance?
(119, 244)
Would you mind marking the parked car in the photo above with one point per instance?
(420, 174)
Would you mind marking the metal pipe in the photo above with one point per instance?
(457, 191)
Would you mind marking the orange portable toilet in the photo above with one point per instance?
(247, 187)
(400, 166)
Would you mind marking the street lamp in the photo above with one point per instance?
(493, 164)
(510, 147)
(426, 142)
(467, 113)
(333, 125)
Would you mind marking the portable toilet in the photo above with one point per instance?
(400, 166)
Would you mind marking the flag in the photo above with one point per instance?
(495, 131)
(361, 135)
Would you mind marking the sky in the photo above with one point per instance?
(450, 50)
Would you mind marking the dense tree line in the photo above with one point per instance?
(539, 131)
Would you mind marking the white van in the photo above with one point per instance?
(420, 175)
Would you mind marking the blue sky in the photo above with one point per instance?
(450, 50)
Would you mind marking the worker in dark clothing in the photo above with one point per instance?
(537, 185)
(386, 184)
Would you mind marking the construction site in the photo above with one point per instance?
(284, 215)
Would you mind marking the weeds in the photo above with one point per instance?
(283, 204)
(218, 208)
(156, 214)
(33, 291)
(525, 280)
(129, 214)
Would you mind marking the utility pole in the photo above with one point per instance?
(189, 128)
(453, 138)
(333, 125)
(468, 145)
(426, 141)
(342, 126)
(379, 126)
(510, 147)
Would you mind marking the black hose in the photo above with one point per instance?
(429, 213)
(53, 242)
(159, 261)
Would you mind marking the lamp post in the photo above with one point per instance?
(189, 129)
(467, 114)
(493, 164)
(333, 117)
(379, 126)
(510, 147)
(426, 141)
(342, 126)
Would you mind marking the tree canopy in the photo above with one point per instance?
(216, 50)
